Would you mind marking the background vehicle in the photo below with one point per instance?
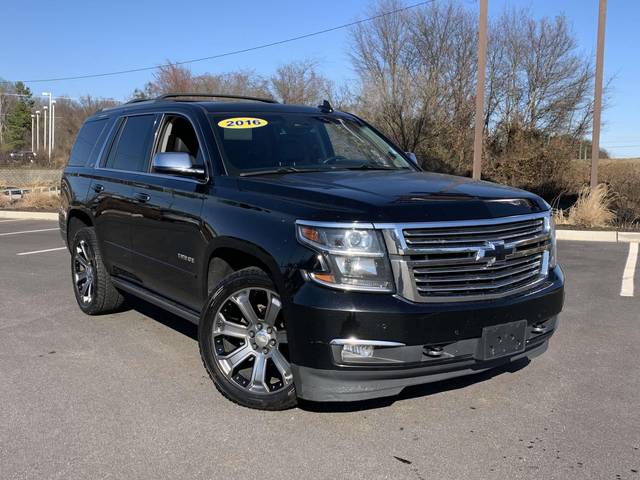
(22, 156)
(316, 258)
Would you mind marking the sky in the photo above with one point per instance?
(72, 37)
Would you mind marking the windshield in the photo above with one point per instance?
(266, 143)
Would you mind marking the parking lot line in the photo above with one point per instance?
(29, 231)
(42, 251)
(629, 271)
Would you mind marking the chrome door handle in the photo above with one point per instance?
(142, 197)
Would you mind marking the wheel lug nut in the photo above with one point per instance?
(265, 350)
(273, 343)
(255, 347)
(252, 334)
(259, 326)
(269, 330)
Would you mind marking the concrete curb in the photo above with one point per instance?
(15, 214)
(598, 236)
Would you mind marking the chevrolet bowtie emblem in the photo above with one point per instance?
(494, 252)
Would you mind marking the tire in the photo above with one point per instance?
(243, 342)
(91, 281)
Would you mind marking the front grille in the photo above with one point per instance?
(463, 261)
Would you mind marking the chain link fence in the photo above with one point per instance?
(20, 178)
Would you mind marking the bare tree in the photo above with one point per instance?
(299, 82)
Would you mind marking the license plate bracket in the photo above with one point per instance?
(502, 340)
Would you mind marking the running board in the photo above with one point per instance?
(143, 293)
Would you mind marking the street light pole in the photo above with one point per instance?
(33, 132)
(44, 128)
(48, 145)
(597, 100)
(482, 59)
(53, 125)
(38, 130)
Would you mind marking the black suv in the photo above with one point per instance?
(316, 258)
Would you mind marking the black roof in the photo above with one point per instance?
(250, 105)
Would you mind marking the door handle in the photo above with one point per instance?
(142, 197)
(98, 188)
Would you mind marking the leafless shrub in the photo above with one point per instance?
(592, 209)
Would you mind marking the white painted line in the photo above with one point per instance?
(629, 271)
(42, 251)
(29, 231)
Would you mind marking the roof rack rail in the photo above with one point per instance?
(168, 96)
(137, 100)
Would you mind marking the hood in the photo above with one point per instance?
(389, 196)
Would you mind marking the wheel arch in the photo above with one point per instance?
(227, 255)
(75, 219)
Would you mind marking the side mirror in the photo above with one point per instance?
(176, 163)
(413, 158)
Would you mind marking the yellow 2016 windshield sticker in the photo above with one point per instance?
(242, 122)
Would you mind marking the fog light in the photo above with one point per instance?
(355, 350)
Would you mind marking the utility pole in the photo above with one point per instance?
(33, 132)
(482, 59)
(597, 105)
(38, 130)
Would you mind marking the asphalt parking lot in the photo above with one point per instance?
(126, 396)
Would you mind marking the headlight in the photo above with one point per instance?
(550, 227)
(355, 258)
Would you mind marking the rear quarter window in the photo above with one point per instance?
(86, 142)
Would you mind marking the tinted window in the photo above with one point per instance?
(319, 142)
(131, 148)
(86, 141)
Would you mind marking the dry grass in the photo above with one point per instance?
(40, 201)
(623, 179)
(592, 209)
(31, 201)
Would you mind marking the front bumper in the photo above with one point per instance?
(318, 315)
(347, 386)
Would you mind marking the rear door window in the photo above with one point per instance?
(131, 148)
(86, 142)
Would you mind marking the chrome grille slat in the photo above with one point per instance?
(473, 278)
(454, 261)
(486, 286)
(473, 238)
(439, 232)
(475, 267)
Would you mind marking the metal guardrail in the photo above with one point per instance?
(15, 193)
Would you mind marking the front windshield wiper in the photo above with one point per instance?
(368, 166)
(271, 171)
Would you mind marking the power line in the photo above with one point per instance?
(233, 52)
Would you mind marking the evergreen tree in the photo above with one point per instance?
(18, 123)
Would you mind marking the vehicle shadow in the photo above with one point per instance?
(162, 316)
(190, 330)
(414, 391)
